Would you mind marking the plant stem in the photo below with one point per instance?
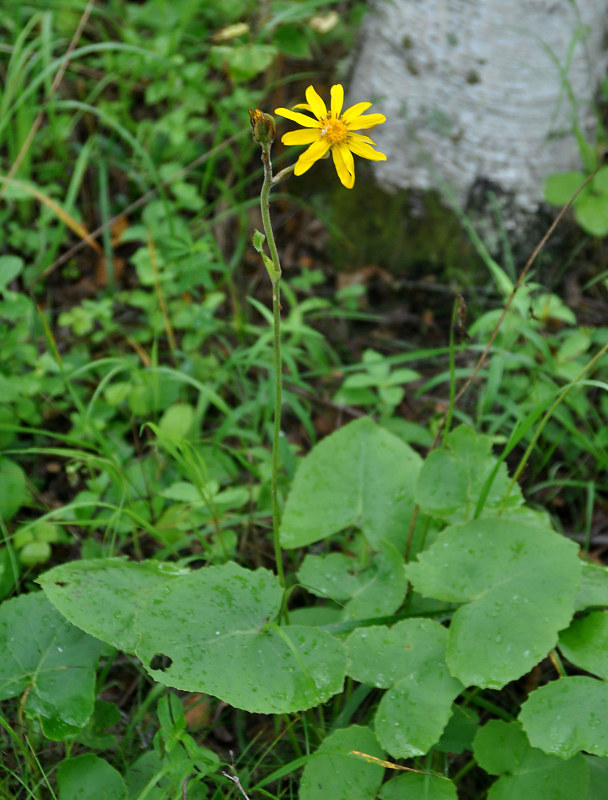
(276, 346)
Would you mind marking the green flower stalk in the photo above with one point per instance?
(263, 132)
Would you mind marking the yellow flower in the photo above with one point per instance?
(332, 130)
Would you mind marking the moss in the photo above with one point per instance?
(407, 232)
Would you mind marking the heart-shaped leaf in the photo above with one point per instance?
(372, 589)
(409, 660)
(88, 777)
(585, 643)
(101, 595)
(213, 631)
(336, 773)
(360, 475)
(593, 590)
(518, 583)
(501, 748)
(51, 660)
(451, 481)
(568, 715)
(418, 787)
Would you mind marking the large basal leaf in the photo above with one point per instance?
(568, 715)
(518, 584)
(409, 660)
(501, 748)
(213, 631)
(460, 730)
(102, 595)
(593, 590)
(418, 787)
(366, 590)
(598, 777)
(51, 660)
(585, 643)
(88, 777)
(360, 475)
(336, 773)
(451, 480)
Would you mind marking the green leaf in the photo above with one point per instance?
(376, 364)
(410, 659)
(9, 571)
(360, 380)
(559, 188)
(13, 488)
(89, 777)
(184, 492)
(418, 787)
(360, 475)
(600, 181)
(244, 61)
(591, 213)
(175, 739)
(334, 772)
(273, 273)
(258, 241)
(501, 748)
(574, 345)
(35, 553)
(585, 643)
(51, 660)
(548, 306)
(391, 395)
(177, 420)
(291, 40)
(144, 771)
(598, 778)
(568, 715)
(594, 586)
(460, 731)
(10, 268)
(101, 596)
(401, 376)
(212, 631)
(451, 480)
(518, 582)
(372, 589)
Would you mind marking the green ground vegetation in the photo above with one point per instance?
(439, 624)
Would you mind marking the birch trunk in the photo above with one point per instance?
(481, 90)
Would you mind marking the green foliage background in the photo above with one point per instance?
(444, 624)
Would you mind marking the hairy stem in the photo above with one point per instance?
(276, 342)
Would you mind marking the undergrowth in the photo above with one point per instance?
(437, 625)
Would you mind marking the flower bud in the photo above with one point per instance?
(262, 126)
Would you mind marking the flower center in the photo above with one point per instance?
(334, 130)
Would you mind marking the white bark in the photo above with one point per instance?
(472, 89)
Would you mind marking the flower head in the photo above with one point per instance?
(332, 130)
(262, 126)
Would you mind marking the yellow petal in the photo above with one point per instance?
(295, 116)
(355, 111)
(365, 151)
(306, 136)
(337, 100)
(308, 157)
(366, 121)
(305, 106)
(319, 109)
(345, 166)
(359, 137)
